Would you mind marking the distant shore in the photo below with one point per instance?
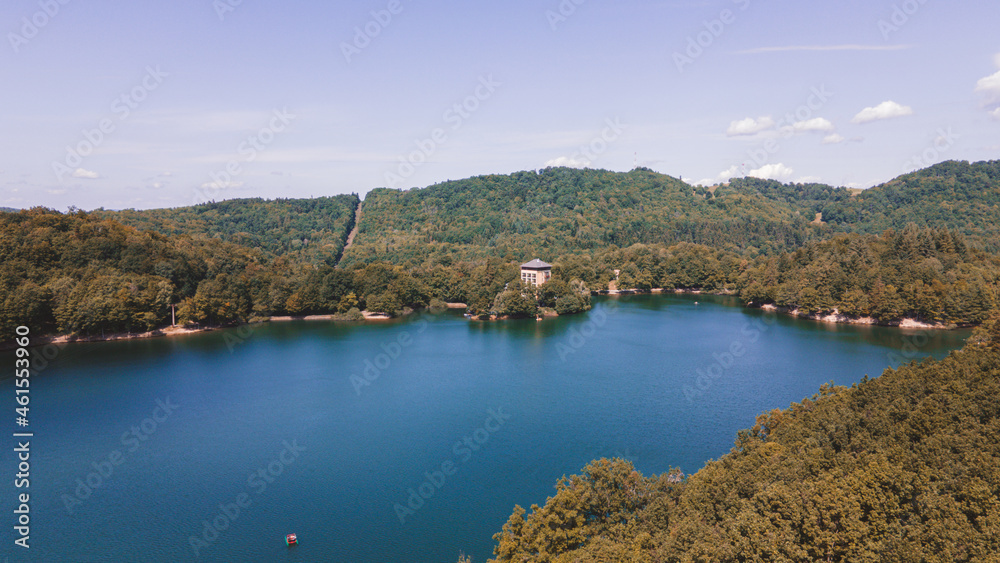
(833, 317)
(178, 330)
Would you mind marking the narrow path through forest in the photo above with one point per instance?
(353, 233)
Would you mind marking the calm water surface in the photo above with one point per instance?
(285, 421)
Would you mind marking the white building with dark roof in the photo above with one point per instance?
(536, 272)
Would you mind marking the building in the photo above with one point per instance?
(536, 272)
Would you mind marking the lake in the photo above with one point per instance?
(409, 440)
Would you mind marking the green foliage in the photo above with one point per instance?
(77, 273)
(955, 195)
(308, 230)
(517, 301)
(928, 274)
(562, 211)
(904, 467)
(917, 248)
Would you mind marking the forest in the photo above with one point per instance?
(310, 230)
(903, 467)
(921, 246)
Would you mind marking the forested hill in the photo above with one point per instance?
(308, 230)
(961, 196)
(904, 467)
(238, 260)
(559, 211)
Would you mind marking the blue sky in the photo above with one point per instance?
(161, 104)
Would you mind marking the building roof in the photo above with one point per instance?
(536, 264)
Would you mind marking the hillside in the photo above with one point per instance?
(461, 241)
(560, 211)
(904, 467)
(309, 230)
(78, 273)
(960, 196)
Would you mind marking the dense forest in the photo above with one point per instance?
(903, 467)
(898, 468)
(871, 254)
(560, 211)
(312, 230)
(79, 274)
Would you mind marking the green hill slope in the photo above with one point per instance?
(562, 211)
(904, 467)
(961, 196)
(310, 230)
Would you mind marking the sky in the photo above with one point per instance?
(147, 104)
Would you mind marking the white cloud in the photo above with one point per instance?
(851, 47)
(568, 162)
(750, 126)
(990, 86)
(815, 124)
(773, 172)
(85, 174)
(885, 110)
(721, 178)
(833, 139)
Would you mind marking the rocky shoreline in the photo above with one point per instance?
(833, 317)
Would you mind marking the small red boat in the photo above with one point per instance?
(291, 539)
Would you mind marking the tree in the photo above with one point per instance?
(516, 302)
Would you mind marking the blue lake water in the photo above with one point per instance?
(279, 428)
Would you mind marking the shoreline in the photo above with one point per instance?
(832, 317)
(179, 330)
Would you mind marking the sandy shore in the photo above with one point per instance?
(837, 317)
(834, 316)
(181, 330)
